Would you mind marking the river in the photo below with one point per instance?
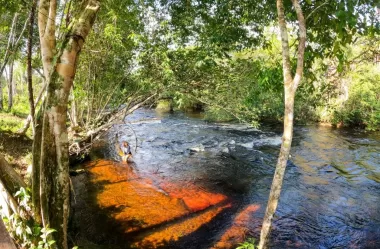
(194, 184)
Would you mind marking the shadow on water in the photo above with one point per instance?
(195, 184)
(136, 211)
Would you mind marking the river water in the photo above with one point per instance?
(194, 184)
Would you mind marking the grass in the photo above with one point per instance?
(13, 120)
(12, 123)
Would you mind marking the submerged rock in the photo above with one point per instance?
(164, 106)
(198, 148)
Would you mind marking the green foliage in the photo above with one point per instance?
(10, 122)
(250, 243)
(240, 88)
(218, 114)
(23, 195)
(26, 233)
(45, 242)
(362, 108)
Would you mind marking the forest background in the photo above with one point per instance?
(220, 57)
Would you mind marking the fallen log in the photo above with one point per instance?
(9, 177)
(10, 184)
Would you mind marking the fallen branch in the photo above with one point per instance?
(81, 147)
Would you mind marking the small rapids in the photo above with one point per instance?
(194, 184)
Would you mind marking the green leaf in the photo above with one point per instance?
(28, 230)
(51, 242)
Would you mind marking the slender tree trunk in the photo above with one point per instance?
(7, 56)
(1, 95)
(53, 164)
(14, 83)
(29, 69)
(46, 27)
(12, 45)
(73, 110)
(10, 86)
(290, 87)
(36, 169)
(36, 102)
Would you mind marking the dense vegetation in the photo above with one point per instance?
(223, 57)
(230, 78)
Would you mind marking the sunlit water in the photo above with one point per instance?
(195, 184)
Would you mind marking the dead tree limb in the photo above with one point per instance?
(83, 145)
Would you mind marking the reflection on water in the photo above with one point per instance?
(201, 185)
(242, 224)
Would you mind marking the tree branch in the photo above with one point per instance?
(301, 44)
(284, 43)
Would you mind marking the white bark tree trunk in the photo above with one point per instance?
(51, 183)
(10, 85)
(290, 87)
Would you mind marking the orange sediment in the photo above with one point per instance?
(175, 231)
(195, 198)
(136, 203)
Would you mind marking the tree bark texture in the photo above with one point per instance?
(290, 87)
(29, 63)
(36, 152)
(47, 12)
(53, 165)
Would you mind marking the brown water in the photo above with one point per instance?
(200, 185)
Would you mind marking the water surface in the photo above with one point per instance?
(199, 185)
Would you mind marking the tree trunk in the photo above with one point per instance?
(290, 87)
(54, 182)
(36, 152)
(73, 111)
(275, 192)
(10, 86)
(29, 118)
(1, 94)
(29, 69)
(7, 55)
